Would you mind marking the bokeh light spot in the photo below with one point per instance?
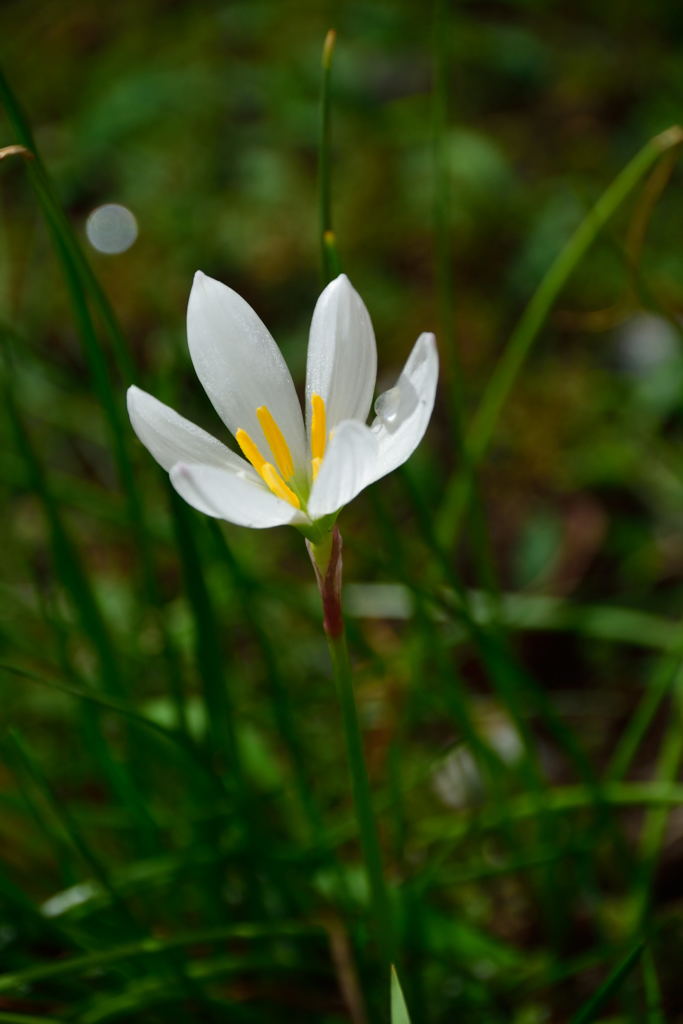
(111, 228)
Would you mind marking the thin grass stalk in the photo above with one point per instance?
(70, 570)
(186, 747)
(497, 664)
(667, 680)
(481, 431)
(20, 753)
(209, 657)
(656, 819)
(328, 247)
(560, 800)
(221, 716)
(397, 556)
(510, 680)
(151, 947)
(59, 224)
(21, 906)
(197, 761)
(22, 1018)
(65, 553)
(518, 692)
(609, 987)
(81, 281)
(52, 835)
(521, 696)
(662, 683)
(653, 993)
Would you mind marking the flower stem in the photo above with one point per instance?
(367, 825)
(327, 563)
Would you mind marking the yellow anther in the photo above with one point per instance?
(278, 486)
(250, 450)
(266, 469)
(315, 464)
(275, 439)
(318, 427)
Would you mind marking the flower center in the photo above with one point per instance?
(277, 479)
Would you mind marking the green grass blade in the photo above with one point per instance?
(653, 992)
(561, 800)
(70, 570)
(178, 738)
(68, 564)
(59, 224)
(16, 980)
(284, 717)
(209, 656)
(399, 1010)
(664, 681)
(481, 431)
(222, 737)
(23, 759)
(667, 771)
(609, 987)
(83, 286)
(22, 1018)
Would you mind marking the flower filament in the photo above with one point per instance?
(281, 452)
(278, 479)
(278, 445)
(318, 432)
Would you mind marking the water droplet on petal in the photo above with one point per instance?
(387, 405)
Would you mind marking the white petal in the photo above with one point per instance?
(170, 438)
(232, 496)
(342, 356)
(403, 412)
(349, 465)
(240, 366)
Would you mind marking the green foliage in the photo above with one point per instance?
(177, 829)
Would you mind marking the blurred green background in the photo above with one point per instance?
(519, 691)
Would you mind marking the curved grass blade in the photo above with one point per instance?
(70, 570)
(480, 434)
(153, 947)
(84, 288)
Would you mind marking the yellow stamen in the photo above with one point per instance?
(250, 450)
(318, 427)
(316, 463)
(275, 439)
(266, 469)
(278, 486)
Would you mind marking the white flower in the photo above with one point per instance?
(294, 472)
